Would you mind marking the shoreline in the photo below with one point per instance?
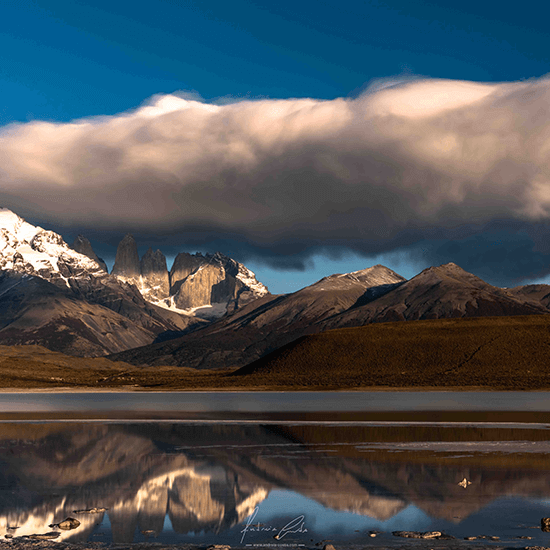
(271, 389)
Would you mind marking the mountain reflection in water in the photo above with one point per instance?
(185, 482)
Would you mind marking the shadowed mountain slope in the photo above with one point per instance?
(54, 296)
(267, 323)
(376, 294)
(499, 352)
(446, 291)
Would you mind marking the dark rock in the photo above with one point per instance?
(44, 536)
(184, 264)
(83, 246)
(127, 258)
(154, 274)
(153, 263)
(545, 525)
(418, 534)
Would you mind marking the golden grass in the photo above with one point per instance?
(499, 352)
(476, 353)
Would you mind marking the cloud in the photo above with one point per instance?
(402, 163)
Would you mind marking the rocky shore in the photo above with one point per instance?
(398, 544)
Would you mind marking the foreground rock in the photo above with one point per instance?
(421, 535)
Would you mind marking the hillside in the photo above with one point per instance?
(507, 353)
(267, 323)
(373, 295)
(498, 352)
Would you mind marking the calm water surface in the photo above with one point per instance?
(294, 483)
(245, 484)
(277, 401)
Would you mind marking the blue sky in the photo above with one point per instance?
(67, 61)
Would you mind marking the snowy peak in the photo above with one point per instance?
(374, 276)
(28, 249)
(449, 272)
(212, 280)
(207, 285)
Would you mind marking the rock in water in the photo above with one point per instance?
(45, 536)
(545, 525)
(67, 524)
(127, 258)
(418, 534)
(464, 483)
(83, 246)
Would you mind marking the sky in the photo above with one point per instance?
(301, 138)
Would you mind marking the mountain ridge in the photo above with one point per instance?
(338, 301)
(100, 315)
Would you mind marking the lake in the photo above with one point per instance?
(211, 476)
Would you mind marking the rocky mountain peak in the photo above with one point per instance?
(83, 246)
(378, 275)
(153, 262)
(184, 264)
(127, 258)
(447, 272)
(211, 283)
(375, 276)
(155, 279)
(212, 279)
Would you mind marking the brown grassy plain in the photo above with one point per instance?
(504, 353)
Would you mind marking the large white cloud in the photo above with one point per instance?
(372, 173)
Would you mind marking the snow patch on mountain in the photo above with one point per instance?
(248, 278)
(32, 250)
(377, 275)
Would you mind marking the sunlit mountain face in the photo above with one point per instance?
(247, 484)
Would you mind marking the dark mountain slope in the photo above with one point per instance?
(446, 291)
(57, 297)
(35, 311)
(536, 294)
(505, 352)
(267, 323)
(373, 295)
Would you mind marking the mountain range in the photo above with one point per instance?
(63, 298)
(376, 294)
(208, 311)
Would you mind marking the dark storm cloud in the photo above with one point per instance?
(281, 179)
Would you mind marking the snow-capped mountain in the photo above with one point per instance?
(52, 295)
(31, 250)
(208, 285)
(269, 322)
